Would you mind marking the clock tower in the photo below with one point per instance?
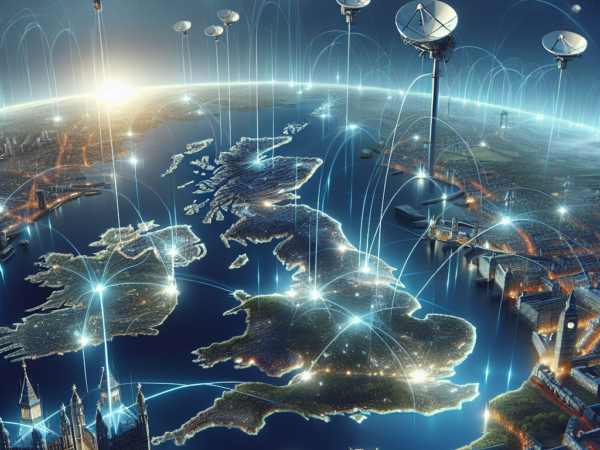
(566, 338)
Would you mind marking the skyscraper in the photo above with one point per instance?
(566, 338)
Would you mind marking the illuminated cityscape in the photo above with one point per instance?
(382, 218)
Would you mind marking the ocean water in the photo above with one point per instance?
(197, 321)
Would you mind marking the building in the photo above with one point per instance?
(541, 311)
(4, 436)
(588, 378)
(566, 338)
(129, 433)
(41, 198)
(31, 409)
(115, 392)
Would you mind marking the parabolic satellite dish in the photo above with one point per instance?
(564, 44)
(228, 16)
(214, 31)
(423, 24)
(353, 4)
(576, 9)
(182, 26)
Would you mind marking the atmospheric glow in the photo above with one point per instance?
(113, 93)
(418, 376)
(172, 289)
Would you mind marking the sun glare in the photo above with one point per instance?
(114, 93)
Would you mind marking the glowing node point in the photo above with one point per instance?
(315, 295)
(562, 210)
(172, 289)
(133, 160)
(173, 251)
(356, 320)
(342, 248)
(366, 269)
(99, 288)
(487, 245)
(85, 341)
(418, 375)
(57, 119)
(268, 204)
(506, 221)
(416, 138)
(306, 376)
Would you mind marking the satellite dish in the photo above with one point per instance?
(182, 27)
(228, 16)
(426, 24)
(576, 9)
(565, 46)
(351, 7)
(214, 31)
(353, 4)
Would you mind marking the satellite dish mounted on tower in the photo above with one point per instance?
(214, 31)
(428, 28)
(182, 27)
(565, 46)
(351, 7)
(228, 16)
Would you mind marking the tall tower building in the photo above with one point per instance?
(4, 437)
(31, 409)
(65, 429)
(566, 338)
(102, 434)
(143, 425)
(78, 421)
(115, 393)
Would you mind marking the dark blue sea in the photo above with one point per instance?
(198, 319)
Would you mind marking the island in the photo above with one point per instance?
(345, 323)
(130, 282)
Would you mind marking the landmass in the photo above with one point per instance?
(195, 147)
(344, 321)
(176, 160)
(241, 260)
(294, 128)
(133, 275)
